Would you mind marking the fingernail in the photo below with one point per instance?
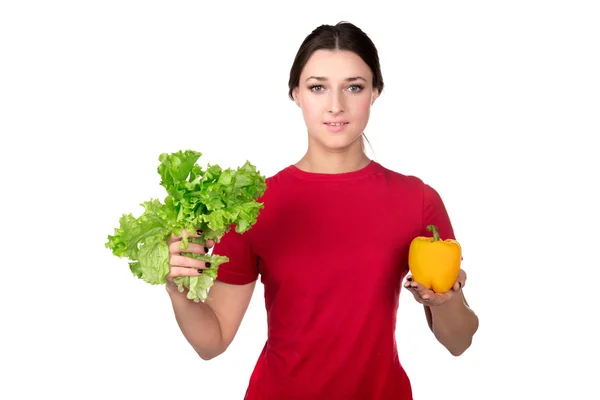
(425, 298)
(199, 231)
(199, 271)
(409, 279)
(460, 285)
(207, 264)
(206, 249)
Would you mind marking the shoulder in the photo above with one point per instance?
(403, 180)
(410, 184)
(278, 185)
(279, 177)
(277, 181)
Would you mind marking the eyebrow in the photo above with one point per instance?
(350, 79)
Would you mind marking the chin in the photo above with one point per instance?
(337, 141)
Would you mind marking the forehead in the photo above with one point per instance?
(335, 64)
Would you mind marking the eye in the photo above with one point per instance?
(356, 88)
(315, 87)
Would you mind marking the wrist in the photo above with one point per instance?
(453, 304)
(172, 289)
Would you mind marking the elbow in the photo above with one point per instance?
(457, 337)
(455, 346)
(457, 351)
(207, 357)
(456, 343)
(209, 354)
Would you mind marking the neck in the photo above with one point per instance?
(325, 161)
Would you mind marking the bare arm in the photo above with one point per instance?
(453, 323)
(429, 317)
(210, 327)
(449, 316)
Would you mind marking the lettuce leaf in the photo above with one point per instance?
(213, 200)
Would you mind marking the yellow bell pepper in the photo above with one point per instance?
(433, 262)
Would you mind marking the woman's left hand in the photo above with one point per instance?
(428, 297)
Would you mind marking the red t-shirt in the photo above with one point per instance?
(331, 251)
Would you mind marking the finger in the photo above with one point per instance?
(172, 239)
(408, 286)
(196, 233)
(419, 288)
(415, 294)
(437, 298)
(192, 248)
(457, 285)
(413, 287)
(462, 277)
(175, 238)
(179, 271)
(409, 281)
(431, 299)
(188, 262)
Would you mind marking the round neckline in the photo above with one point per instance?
(367, 170)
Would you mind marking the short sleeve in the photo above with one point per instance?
(242, 267)
(435, 213)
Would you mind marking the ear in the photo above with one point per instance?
(296, 96)
(374, 96)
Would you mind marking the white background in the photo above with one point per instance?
(495, 104)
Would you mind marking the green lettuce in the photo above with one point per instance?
(213, 200)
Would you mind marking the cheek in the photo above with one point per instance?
(363, 107)
(312, 109)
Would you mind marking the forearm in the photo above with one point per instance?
(198, 323)
(453, 323)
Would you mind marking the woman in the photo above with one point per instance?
(330, 247)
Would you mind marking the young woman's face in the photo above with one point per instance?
(335, 94)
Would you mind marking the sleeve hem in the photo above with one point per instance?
(235, 278)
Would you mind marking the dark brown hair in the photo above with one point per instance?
(342, 36)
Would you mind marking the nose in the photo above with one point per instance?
(336, 105)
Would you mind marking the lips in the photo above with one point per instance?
(335, 126)
(340, 123)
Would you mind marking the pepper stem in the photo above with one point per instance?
(436, 234)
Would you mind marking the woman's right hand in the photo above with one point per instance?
(181, 265)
